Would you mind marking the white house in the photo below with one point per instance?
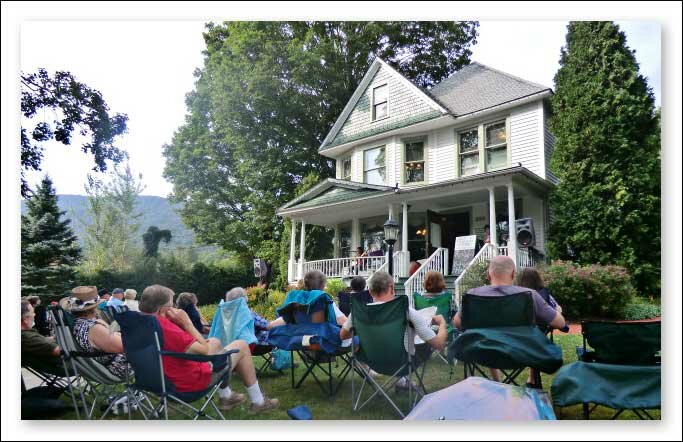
(472, 151)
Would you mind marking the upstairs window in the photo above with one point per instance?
(374, 166)
(380, 97)
(346, 169)
(414, 165)
(469, 152)
(496, 146)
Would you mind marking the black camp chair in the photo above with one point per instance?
(380, 329)
(318, 363)
(500, 332)
(142, 342)
(618, 367)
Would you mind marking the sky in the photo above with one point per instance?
(145, 68)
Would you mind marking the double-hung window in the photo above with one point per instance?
(496, 145)
(346, 169)
(380, 99)
(374, 166)
(469, 152)
(414, 164)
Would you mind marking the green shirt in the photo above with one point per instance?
(36, 350)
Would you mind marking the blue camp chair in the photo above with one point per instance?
(142, 342)
(313, 334)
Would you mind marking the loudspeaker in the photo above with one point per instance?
(259, 268)
(526, 237)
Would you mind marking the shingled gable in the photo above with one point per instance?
(408, 105)
(332, 190)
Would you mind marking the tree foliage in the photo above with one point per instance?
(152, 238)
(74, 106)
(607, 155)
(263, 102)
(112, 236)
(49, 249)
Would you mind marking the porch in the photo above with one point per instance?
(431, 217)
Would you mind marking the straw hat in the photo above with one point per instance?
(82, 298)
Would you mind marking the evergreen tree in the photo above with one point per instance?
(151, 240)
(606, 207)
(49, 249)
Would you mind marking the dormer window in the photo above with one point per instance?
(346, 169)
(380, 98)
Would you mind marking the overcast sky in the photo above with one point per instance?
(144, 69)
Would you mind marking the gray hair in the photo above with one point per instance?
(154, 297)
(184, 299)
(24, 307)
(130, 294)
(234, 293)
(380, 283)
(501, 265)
(314, 280)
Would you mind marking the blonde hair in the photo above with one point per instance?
(130, 294)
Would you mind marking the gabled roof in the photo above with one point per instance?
(477, 87)
(332, 191)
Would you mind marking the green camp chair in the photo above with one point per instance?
(444, 307)
(618, 367)
(380, 329)
(500, 332)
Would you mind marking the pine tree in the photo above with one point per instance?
(49, 249)
(607, 155)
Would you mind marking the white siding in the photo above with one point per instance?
(526, 139)
(338, 171)
(534, 209)
(480, 218)
(441, 162)
(393, 158)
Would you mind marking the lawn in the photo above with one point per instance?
(438, 376)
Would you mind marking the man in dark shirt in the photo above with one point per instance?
(37, 351)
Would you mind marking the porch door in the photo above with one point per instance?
(457, 224)
(436, 229)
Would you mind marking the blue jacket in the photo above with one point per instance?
(314, 299)
(232, 321)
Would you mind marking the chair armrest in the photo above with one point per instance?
(220, 357)
(94, 354)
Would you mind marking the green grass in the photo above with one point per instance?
(437, 376)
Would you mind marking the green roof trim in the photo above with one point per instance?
(381, 128)
(334, 195)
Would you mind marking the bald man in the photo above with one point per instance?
(501, 274)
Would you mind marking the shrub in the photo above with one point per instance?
(256, 295)
(594, 291)
(641, 309)
(334, 286)
(475, 277)
(208, 311)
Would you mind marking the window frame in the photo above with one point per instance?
(469, 153)
(380, 146)
(373, 115)
(482, 150)
(404, 142)
(504, 122)
(350, 176)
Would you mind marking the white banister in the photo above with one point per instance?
(438, 261)
(485, 254)
(343, 267)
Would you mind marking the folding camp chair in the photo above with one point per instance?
(99, 385)
(500, 332)
(380, 329)
(444, 307)
(143, 342)
(310, 314)
(621, 369)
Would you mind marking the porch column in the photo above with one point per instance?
(492, 219)
(355, 234)
(404, 242)
(512, 227)
(302, 248)
(336, 241)
(292, 252)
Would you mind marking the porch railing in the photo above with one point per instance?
(526, 257)
(345, 267)
(438, 261)
(485, 254)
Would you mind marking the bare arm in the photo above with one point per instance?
(276, 323)
(558, 321)
(56, 351)
(438, 342)
(457, 323)
(344, 334)
(200, 346)
(104, 341)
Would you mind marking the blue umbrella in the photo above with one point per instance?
(477, 398)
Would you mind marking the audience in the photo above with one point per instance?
(501, 274)
(93, 334)
(530, 278)
(130, 301)
(116, 299)
(42, 321)
(188, 302)
(180, 335)
(37, 351)
(434, 284)
(261, 325)
(358, 292)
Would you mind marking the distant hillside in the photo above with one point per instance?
(155, 210)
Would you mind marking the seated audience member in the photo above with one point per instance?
(530, 278)
(434, 284)
(116, 299)
(130, 301)
(37, 351)
(188, 302)
(414, 267)
(180, 335)
(42, 325)
(261, 325)
(104, 294)
(358, 292)
(382, 290)
(501, 274)
(93, 334)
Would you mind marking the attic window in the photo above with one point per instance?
(346, 169)
(380, 97)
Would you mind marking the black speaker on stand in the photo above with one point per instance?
(526, 237)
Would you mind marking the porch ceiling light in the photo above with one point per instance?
(391, 229)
